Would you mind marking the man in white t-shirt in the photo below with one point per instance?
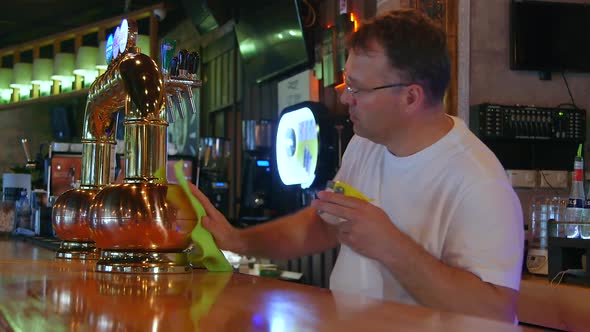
(444, 227)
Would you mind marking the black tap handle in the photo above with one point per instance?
(182, 59)
(174, 66)
(194, 61)
(190, 62)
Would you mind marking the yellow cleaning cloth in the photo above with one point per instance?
(211, 257)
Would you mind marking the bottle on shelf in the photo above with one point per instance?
(585, 226)
(23, 223)
(575, 206)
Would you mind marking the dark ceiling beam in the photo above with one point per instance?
(27, 20)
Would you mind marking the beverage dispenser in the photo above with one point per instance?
(131, 227)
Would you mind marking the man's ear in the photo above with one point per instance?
(415, 97)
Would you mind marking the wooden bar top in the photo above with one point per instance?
(38, 292)
(553, 305)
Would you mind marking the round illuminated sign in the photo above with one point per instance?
(116, 42)
(123, 36)
(109, 48)
(297, 147)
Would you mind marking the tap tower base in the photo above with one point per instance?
(77, 250)
(143, 262)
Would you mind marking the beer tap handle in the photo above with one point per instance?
(191, 99)
(174, 67)
(25, 144)
(193, 64)
(170, 108)
(182, 80)
(180, 105)
(189, 65)
(182, 62)
(31, 164)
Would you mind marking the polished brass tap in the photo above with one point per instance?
(133, 223)
(133, 82)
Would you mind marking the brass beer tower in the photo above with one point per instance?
(133, 224)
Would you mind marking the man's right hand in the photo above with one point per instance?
(226, 236)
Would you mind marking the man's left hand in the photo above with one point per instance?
(367, 229)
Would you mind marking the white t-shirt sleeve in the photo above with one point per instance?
(486, 234)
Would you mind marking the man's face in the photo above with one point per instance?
(375, 113)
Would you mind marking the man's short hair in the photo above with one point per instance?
(415, 45)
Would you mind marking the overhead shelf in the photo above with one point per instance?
(46, 100)
(75, 40)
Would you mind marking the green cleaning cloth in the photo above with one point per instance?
(210, 256)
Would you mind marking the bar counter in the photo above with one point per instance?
(557, 306)
(40, 293)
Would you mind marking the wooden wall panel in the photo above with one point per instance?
(445, 12)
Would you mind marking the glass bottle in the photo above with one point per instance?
(23, 214)
(575, 206)
(585, 226)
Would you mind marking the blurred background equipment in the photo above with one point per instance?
(212, 178)
(13, 184)
(271, 38)
(256, 200)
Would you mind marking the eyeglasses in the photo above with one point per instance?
(354, 91)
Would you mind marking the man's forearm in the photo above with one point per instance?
(299, 234)
(437, 285)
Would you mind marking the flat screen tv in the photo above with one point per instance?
(270, 37)
(549, 36)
